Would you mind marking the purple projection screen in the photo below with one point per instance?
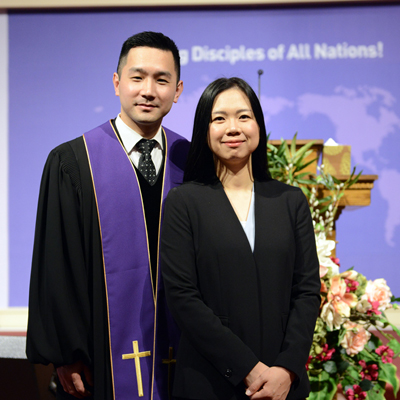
(328, 73)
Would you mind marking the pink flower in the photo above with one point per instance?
(386, 354)
(336, 261)
(351, 285)
(374, 308)
(355, 338)
(356, 393)
(326, 354)
(341, 301)
(369, 372)
(379, 291)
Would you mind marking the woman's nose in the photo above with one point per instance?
(233, 128)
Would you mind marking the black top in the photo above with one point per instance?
(236, 307)
(67, 300)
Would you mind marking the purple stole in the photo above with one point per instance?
(139, 342)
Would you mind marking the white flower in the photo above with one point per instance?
(379, 291)
(332, 319)
(324, 250)
(363, 306)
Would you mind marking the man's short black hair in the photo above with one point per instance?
(155, 40)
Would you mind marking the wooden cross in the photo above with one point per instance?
(169, 361)
(136, 355)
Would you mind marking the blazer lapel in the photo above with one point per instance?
(229, 217)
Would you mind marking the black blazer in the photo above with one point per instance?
(235, 307)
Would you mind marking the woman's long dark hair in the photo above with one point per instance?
(200, 164)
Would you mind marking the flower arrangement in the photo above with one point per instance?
(346, 350)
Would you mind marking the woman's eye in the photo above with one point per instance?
(218, 119)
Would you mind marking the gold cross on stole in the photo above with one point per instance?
(170, 360)
(136, 355)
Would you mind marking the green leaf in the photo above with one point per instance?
(322, 389)
(366, 385)
(301, 153)
(303, 174)
(385, 321)
(293, 145)
(394, 345)
(303, 181)
(377, 392)
(342, 365)
(330, 367)
(302, 166)
(374, 342)
(387, 373)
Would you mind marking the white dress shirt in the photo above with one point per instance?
(130, 138)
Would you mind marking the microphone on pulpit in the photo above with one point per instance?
(259, 72)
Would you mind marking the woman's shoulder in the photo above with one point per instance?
(194, 188)
(192, 192)
(277, 187)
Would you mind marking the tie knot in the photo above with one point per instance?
(145, 146)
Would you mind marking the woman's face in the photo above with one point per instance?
(233, 133)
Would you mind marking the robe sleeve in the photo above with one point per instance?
(305, 293)
(213, 340)
(59, 307)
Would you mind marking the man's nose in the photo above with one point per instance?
(148, 88)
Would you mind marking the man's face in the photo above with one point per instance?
(147, 87)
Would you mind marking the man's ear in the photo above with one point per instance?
(179, 89)
(116, 83)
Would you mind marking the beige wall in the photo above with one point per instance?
(4, 4)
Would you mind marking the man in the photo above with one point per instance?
(96, 303)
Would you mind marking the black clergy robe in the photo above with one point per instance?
(68, 318)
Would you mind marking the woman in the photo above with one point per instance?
(239, 261)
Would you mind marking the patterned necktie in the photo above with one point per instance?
(146, 166)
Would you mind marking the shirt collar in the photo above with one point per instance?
(130, 138)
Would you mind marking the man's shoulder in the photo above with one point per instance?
(171, 135)
(67, 147)
(106, 127)
(78, 143)
(178, 148)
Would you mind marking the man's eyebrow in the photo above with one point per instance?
(143, 71)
